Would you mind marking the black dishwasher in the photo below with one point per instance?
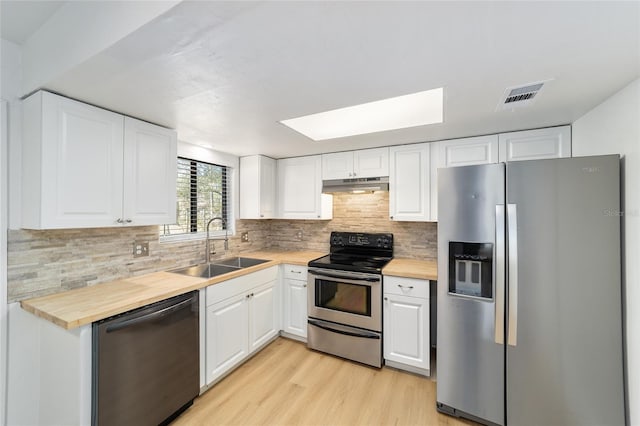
(146, 363)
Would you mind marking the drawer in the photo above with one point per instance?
(234, 286)
(295, 272)
(406, 286)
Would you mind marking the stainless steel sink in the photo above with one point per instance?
(223, 266)
(206, 270)
(240, 262)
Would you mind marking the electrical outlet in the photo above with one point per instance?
(140, 248)
(299, 235)
(244, 237)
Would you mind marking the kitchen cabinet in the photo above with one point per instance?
(49, 371)
(356, 164)
(406, 324)
(295, 301)
(459, 152)
(552, 142)
(83, 166)
(227, 335)
(257, 187)
(300, 189)
(242, 316)
(409, 189)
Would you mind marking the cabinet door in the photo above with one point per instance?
(300, 189)
(295, 305)
(72, 165)
(227, 335)
(262, 315)
(409, 183)
(406, 330)
(460, 152)
(554, 142)
(150, 173)
(257, 187)
(371, 162)
(267, 188)
(337, 165)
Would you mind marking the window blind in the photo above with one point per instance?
(202, 194)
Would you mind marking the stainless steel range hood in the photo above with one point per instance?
(356, 185)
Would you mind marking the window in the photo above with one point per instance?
(202, 194)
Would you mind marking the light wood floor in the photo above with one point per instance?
(288, 384)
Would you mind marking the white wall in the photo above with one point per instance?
(10, 91)
(10, 73)
(613, 127)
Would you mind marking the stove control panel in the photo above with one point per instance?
(356, 239)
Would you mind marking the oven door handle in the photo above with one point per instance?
(326, 326)
(343, 277)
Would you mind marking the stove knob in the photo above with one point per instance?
(379, 241)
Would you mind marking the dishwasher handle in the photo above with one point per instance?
(148, 317)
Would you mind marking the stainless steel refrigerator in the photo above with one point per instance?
(529, 315)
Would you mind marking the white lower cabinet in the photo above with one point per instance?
(406, 324)
(263, 324)
(295, 300)
(242, 316)
(227, 335)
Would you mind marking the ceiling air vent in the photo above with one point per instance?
(515, 97)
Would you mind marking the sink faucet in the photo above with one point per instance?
(208, 241)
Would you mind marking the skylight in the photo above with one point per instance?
(415, 109)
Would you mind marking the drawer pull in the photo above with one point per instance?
(295, 272)
(410, 287)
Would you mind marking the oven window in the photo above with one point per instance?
(352, 298)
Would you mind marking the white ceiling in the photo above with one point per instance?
(224, 73)
(20, 19)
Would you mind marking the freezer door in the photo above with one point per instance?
(470, 355)
(564, 351)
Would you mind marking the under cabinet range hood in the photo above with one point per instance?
(356, 186)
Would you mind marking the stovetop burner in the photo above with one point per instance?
(357, 252)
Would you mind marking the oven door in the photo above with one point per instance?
(350, 298)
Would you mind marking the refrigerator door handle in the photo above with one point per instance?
(500, 268)
(512, 230)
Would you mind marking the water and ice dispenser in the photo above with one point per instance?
(471, 269)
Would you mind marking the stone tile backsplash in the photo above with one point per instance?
(50, 261)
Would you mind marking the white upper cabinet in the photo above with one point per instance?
(460, 152)
(150, 169)
(467, 151)
(257, 187)
(84, 167)
(409, 183)
(300, 189)
(552, 142)
(356, 164)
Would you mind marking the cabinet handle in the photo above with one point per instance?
(391, 217)
(405, 286)
(304, 285)
(261, 215)
(247, 296)
(386, 298)
(128, 221)
(295, 272)
(251, 294)
(119, 220)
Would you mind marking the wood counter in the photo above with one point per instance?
(85, 305)
(412, 268)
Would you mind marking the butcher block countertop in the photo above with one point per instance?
(412, 268)
(85, 305)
